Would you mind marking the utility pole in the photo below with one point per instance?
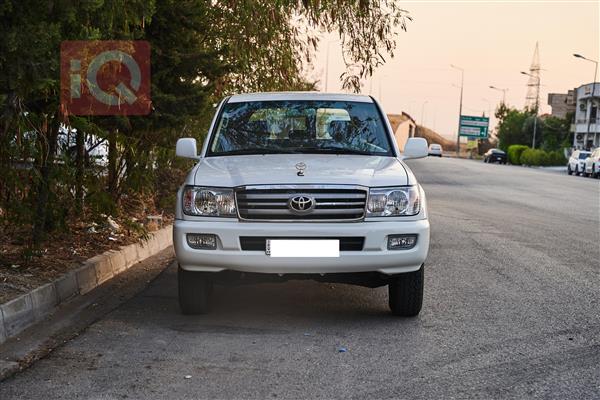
(593, 93)
(462, 81)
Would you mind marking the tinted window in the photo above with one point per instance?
(583, 156)
(300, 127)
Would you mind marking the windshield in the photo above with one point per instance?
(583, 156)
(265, 127)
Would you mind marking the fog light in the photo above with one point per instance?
(202, 241)
(401, 242)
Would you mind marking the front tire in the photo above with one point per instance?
(406, 293)
(195, 289)
(569, 171)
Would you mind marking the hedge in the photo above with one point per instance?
(514, 153)
(538, 157)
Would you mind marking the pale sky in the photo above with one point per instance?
(492, 40)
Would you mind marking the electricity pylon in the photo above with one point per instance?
(532, 100)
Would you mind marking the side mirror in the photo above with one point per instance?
(415, 147)
(186, 147)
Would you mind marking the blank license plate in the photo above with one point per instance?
(303, 247)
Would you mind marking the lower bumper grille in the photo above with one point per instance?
(259, 243)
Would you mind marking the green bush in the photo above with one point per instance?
(557, 158)
(514, 153)
(538, 157)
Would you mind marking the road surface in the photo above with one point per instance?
(511, 310)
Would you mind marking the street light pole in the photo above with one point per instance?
(503, 93)
(462, 81)
(593, 92)
(537, 106)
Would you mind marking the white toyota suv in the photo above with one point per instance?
(301, 186)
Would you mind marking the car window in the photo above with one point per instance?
(261, 127)
(583, 156)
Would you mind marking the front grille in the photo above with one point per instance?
(332, 203)
(259, 243)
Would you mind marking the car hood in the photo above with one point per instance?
(233, 171)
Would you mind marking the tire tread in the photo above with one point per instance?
(406, 293)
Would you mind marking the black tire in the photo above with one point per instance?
(569, 171)
(485, 160)
(406, 293)
(195, 290)
(577, 170)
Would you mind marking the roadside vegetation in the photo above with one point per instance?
(515, 134)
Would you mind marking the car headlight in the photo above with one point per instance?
(209, 201)
(393, 202)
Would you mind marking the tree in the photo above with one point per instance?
(201, 51)
(511, 127)
(516, 127)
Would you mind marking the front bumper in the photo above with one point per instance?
(229, 256)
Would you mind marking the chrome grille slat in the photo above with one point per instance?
(259, 211)
(263, 196)
(332, 203)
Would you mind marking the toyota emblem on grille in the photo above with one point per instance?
(301, 204)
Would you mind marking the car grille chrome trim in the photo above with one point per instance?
(333, 203)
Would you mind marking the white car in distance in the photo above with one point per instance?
(301, 186)
(576, 163)
(435, 150)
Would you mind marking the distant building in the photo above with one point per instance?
(403, 126)
(586, 126)
(562, 103)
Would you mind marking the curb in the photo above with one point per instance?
(18, 314)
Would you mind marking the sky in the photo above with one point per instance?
(492, 41)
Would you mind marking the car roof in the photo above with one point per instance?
(282, 96)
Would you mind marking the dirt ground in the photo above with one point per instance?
(23, 267)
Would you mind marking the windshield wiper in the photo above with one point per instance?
(241, 152)
(335, 150)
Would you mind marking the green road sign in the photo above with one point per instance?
(474, 127)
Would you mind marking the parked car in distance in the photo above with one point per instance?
(494, 155)
(301, 185)
(435, 149)
(592, 164)
(576, 164)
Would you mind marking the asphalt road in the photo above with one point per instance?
(512, 310)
